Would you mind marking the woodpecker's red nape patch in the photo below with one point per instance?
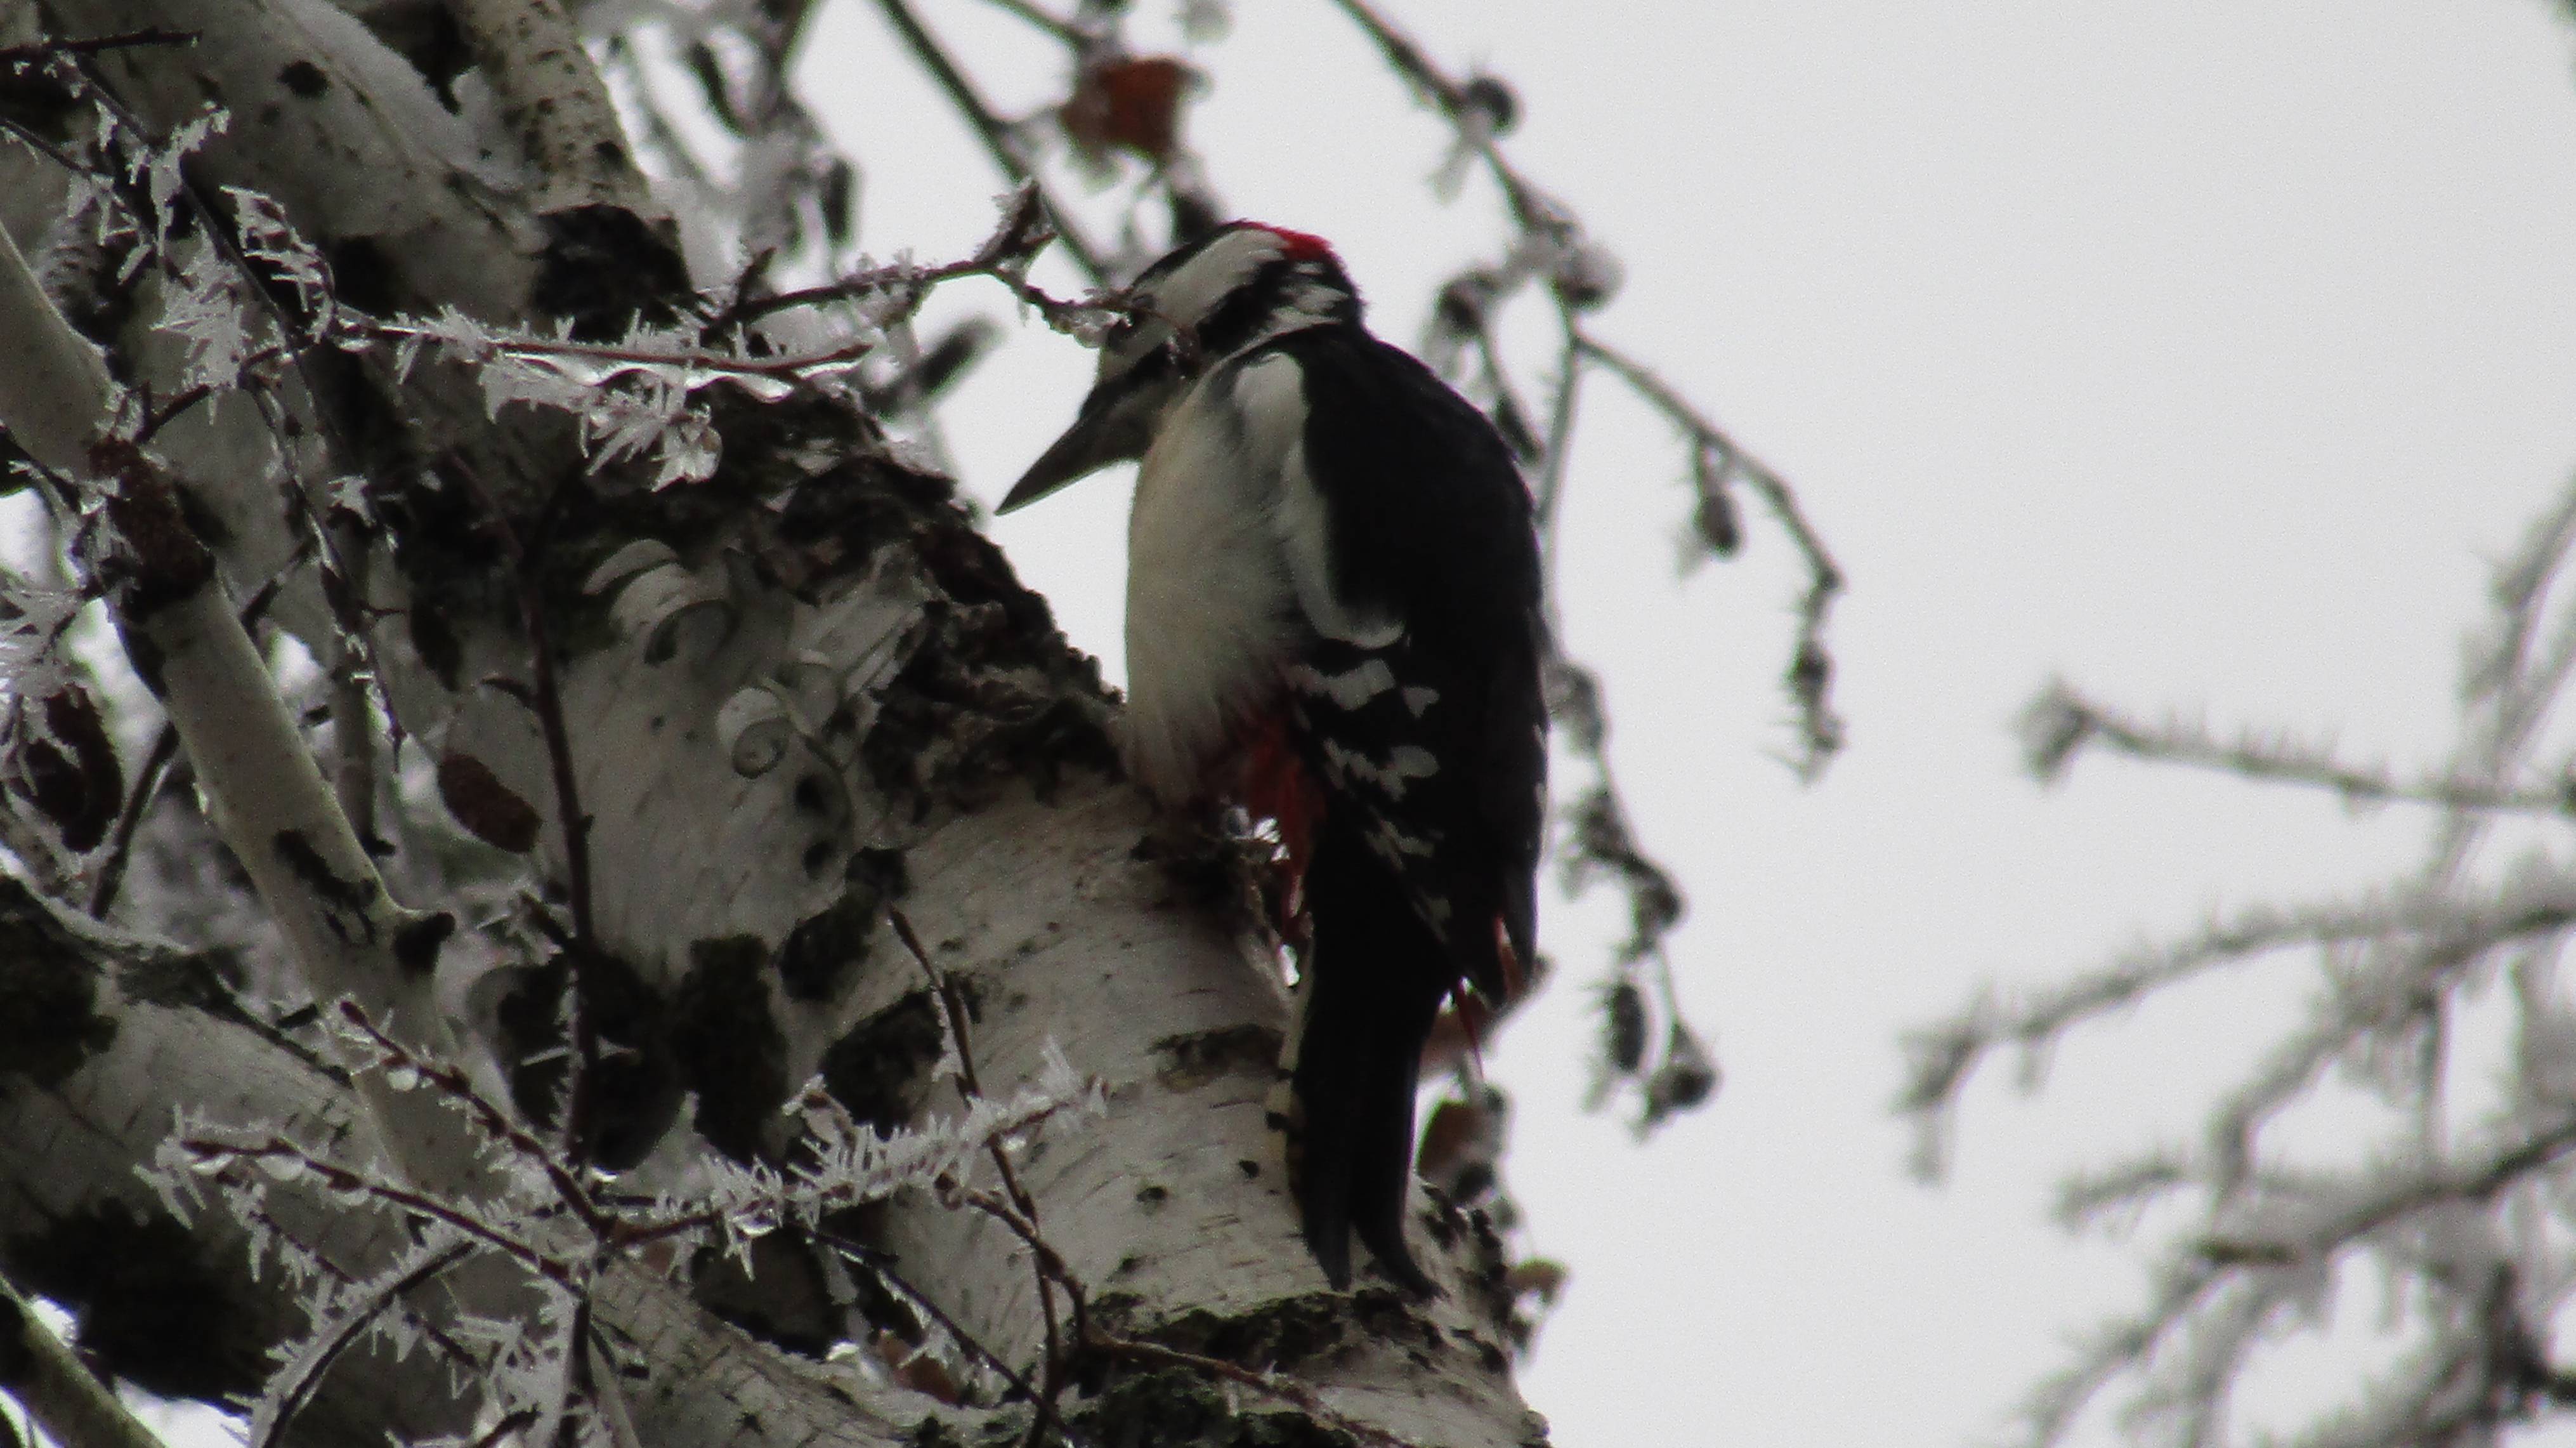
(1298, 245)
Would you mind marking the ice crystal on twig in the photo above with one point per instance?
(2455, 1192)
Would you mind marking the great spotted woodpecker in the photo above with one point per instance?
(1333, 620)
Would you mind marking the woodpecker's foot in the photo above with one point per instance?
(1211, 865)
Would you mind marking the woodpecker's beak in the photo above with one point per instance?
(1116, 426)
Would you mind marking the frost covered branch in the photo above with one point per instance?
(2456, 1194)
(2061, 723)
(553, 101)
(1000, 140)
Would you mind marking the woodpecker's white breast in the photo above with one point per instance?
(1211, 609)
(1228, 570)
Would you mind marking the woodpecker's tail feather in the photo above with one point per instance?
(1375, 978)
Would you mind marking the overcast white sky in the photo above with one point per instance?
(2203, 351)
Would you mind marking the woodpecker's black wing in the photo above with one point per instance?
(1439, 736)
(1431, 746)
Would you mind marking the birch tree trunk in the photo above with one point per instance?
(694, 748)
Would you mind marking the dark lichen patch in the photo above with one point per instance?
(362, 274)
(296, 852)
(190, 980)
(1209, 868)
(818, 856)
(304, 78)
(604, 269)
(1177, 1408)
(50, 1024)
(991, 692)
(17, 1355)
(1280, 1336)
(1193, 1060)
(427, 36)
(634, 1088)
(876, 1301)
(489, 810)
(1491, 1286)
(780, 1298)
(728, 1048)
(69, 769)
(1488, 1355)
(162, 561)
(417, 943)
(933, 1433)
(146, 1306)
(822, 952)
(437, 645)
(876, 1071)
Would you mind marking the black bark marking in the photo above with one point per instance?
(417, 944)
(147, 1306)
(304, 78)
(306, 864)
(49, 1022)
(725, 1044)
(875, 1071)
(1194, 1060)
(604, 268)
(824, 950)
(634, 1087)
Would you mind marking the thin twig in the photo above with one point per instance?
(230, 1156)
(787, 368)
(1064, 30)
(1532, 209)
(1558, 451)
(355, 1324)
(120, 841)
(147, 782)
(878, 1263)
(127, 40)
(580, 1031)
(1272, 1385)
(497, 1124)
(992, 130)
(1004, 256)
(2289, 764)
(1810, 680)
(1021, 1217)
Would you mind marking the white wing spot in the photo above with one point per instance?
(1350, 689)
(1419, 699)
(1408, 762)
(1394, 845)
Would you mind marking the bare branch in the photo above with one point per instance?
(999, 137)
(63, 1396)
(2061, 722)
(552, 98)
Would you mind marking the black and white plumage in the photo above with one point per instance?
(1333, 619)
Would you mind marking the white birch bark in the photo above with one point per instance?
(738, 743)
